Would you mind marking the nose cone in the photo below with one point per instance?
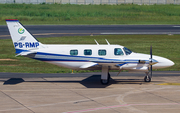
(162, 62)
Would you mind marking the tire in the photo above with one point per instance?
(147, 79)
(109, 76)
(104, 82)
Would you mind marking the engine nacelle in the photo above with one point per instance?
(141, 68)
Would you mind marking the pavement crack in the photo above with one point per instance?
(162, 97)
(88, 99)
(17, 101)
(82, 101)
(158, 95)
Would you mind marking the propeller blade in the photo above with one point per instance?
(151, 52)
(151, 71)
(151, 60)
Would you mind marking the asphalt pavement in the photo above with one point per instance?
(41, 31)
(82, 92)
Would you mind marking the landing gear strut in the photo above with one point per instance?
(105, 82)
(148, 76)
(105, 76)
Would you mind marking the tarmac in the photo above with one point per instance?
(83, 93)
(42, 31)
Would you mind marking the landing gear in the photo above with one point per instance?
(105, 76)
(104, 81)
(147, 78)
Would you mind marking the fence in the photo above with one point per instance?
(92, 1)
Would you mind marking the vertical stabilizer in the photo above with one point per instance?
(21, 38)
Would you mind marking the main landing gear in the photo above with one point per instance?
(104, 81)
(105, 76)
(147, 78)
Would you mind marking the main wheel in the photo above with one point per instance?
(104, 82)
(147, 79)
(109, 76)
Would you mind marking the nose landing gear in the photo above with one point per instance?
(148, 77)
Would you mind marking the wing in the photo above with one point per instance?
(104, 62)
(88, 65)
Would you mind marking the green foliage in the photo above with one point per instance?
(163, 45)
(90, 14)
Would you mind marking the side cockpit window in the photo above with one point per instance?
(73, 52)
(127, 51)
(118, 51)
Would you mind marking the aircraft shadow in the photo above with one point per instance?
(13, 81)
(89, 82)
(94, 82)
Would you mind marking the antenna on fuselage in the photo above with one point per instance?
(96, 42)
(107, 42)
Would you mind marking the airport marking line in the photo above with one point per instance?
(59, 34)
(124, 105)
(65, 33)
(170, 84)
(176, 26)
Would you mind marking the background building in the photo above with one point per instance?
(140, 2)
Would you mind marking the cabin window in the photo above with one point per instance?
(87, 52)
(101, 52)
(118, 51)
(73, 52)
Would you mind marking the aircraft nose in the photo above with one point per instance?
(162, 62)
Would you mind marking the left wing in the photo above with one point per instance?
(91, 64)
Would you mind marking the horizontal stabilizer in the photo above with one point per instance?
(25, 53)
(91, 64)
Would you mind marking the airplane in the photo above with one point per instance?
(86, 56)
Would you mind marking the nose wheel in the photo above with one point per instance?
(147, 79)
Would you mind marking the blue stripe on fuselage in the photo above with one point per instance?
(77, 58)
(81, 58)
(20, 50)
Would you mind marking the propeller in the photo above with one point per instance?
(150, 60)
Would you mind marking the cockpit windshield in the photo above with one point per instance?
(127, 51)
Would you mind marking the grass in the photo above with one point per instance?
(163, 45)
(90, 14)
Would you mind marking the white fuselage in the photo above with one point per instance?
(61, 55)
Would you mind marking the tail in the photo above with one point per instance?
(23, 41)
